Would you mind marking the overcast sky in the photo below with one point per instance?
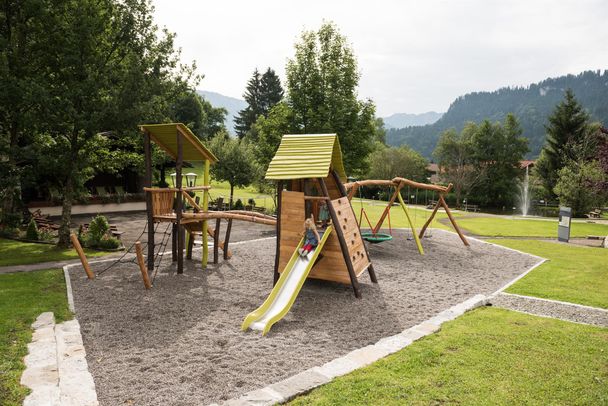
(414, 56)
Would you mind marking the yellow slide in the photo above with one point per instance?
(284, 293)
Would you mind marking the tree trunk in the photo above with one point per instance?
(11, 197)
(66, 213)
(230, 203)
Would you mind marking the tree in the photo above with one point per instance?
(454, 154)
(322, 81)
(568, 129)
(575, 186)
(269, 131)
(107, 71)
(199, 115)
(262, 93)
(497, 152)
(236, 162)
(390, 162)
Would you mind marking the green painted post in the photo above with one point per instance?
(206, 182)
(409, 220)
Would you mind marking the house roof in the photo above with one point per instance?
(304, 156)
(165, 136)
(526, 163)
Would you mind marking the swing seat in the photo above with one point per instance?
(376, 238)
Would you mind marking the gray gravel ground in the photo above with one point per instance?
(181, 344)
(570, 312)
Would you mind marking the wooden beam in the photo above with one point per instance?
(387, 208)
(277, 254)
(179, 202)
(227, 240)
(428, 221)
(216, 241)
(149, 211)
(453, 221)
(142, 266)
(195, 217)
(343, 245)
(206, 182)
(83, 258)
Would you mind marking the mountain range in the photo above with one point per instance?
(531, 104)
(231, 104)
(402, 120)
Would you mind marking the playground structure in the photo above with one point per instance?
(309, 169)
(397, 184)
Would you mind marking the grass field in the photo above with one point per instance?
(506, 227)
(488, 356)
(23, 297)
(23, 253)
(573, 273)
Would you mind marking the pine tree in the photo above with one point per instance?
(262, 93)
(568, 128)
(247, 116)
(271, 91)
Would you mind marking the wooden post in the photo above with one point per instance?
(206, 182)
(179, 202)
(387, 208)
(449, 213)
(277, 254)
(148, 183)
(83, 258)
(216, 241)
(174, 242)
(343, 244)
(227, 239)
(142, 266)
(370, 268)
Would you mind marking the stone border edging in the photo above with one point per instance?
(559, 302)
(305, 381)
(56, 368)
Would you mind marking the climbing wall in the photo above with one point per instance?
(332, 266)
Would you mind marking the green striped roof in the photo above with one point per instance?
(165, 136)
(307, 156)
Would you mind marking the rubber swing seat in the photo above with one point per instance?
(376, 238)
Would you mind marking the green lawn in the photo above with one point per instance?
(488, 356)
(398, 220)
(23, 297)
(22, 253)
(505, 227)
(573, 273)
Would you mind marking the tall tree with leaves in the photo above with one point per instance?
(322, 82)
(107, 70)
(497, 152)
(454, 154)
(236, 164)
(568, 130)
(262, 93)
(199, 115)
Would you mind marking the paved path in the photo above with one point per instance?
(56, 368)
(552, 308)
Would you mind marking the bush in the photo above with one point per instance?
(251, 202)
(238, 205)
(109, 243)
(97, 229)
(45, 235)
(32, 231)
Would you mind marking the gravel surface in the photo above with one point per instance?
(564, 311)
(181, 344)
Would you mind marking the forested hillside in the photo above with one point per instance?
(531, 105)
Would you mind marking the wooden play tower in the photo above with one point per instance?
(309, 170)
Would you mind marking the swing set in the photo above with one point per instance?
(375, 236)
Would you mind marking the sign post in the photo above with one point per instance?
(563, 229)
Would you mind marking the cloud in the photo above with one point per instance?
(414, 56)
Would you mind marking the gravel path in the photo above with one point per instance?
(552, 308)
(180, 343)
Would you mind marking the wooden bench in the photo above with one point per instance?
(594, 214)
(471, 207)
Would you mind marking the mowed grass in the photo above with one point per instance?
(573, 273)
(23, 253)
(488, 356)
(507, 227)
(418, 215)
(23, 296)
